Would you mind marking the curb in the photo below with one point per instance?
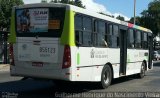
(4, 67)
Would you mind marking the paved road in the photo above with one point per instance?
(14, 86)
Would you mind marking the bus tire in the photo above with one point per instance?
(143, 70)
(106, 76)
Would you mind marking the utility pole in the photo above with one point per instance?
(134, 12)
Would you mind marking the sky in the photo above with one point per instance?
(123, 8)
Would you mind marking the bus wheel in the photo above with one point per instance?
(106, 76)
(143, 70)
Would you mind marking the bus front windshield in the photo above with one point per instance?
(43, 22)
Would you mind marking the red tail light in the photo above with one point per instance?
(66, 57)
(11, 55)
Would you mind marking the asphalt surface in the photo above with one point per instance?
(14, 87)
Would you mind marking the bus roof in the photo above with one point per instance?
(86, 12)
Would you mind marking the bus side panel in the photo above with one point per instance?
(83, 68)
(73, 68)
(114, 59)
(90, 62)
(134, 60)
(100, 58)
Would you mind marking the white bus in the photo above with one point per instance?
(68, 43)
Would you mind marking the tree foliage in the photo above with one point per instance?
(43, 1)
(151, 17)
(138, 20)
(5, 11)
(76, 2)
(120, 18)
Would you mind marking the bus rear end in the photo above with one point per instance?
(38, 51)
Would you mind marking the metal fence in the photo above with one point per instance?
(4, 50)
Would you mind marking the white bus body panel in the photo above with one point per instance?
(89, 69)
(134, 60)
(92, 61)
(38, 50)
(30, 61)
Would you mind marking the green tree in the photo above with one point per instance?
(79, 3)
(120, 18)
(5, 11)
(151, 17)
(45, 1)
(76, 2)
(137, 22)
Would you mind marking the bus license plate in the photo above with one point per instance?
(37, 64)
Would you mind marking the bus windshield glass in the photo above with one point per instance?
(42, 22)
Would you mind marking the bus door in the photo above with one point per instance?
(150, 44)
(123, 51)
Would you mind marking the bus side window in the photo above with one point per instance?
(113, 36)
(101, 34)
(131, 38)
(83, 30)
(144, 40)
(138, 40)
(94, 33)
(87, 31)
(106, 34)
(116, 35)
(78, 38)
(109, 35)
(78, 30)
